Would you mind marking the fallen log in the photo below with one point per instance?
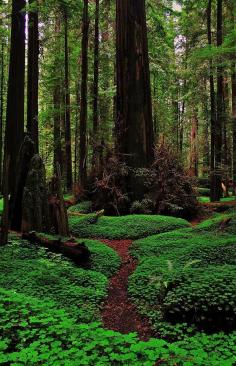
(76, 252)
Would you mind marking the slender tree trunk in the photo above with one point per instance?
(95, 89)
(57, 106)
(214, 195)
(134, 125)
(84, 102)
(15, 99)
(233, 81)
(2, 80)
(67, 110)
(194, 146)
(5, 213)
(33, 77)
(220, 106)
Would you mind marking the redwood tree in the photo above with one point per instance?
(67, 107)
(83, 101)
(134, 125)
(15, 98)
(33, 76)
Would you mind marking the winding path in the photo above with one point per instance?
(119, 313)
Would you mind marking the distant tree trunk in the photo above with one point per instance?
(15, 99)
(33, 77)
(84, 102)
(57, 107)
(220, 106)
(5, 213)
(2, 80)
(225, 141)
(67, 110)
(194, 146)
(233, 81)
(95, 89)
(214, 179)
(134, 125)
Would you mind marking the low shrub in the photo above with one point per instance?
(123, 227)
(205, 297)
(84, 207)
(166, 262)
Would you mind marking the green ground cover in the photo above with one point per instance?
(36, 332)
(185, 281)
(35, 272)
(123, 227)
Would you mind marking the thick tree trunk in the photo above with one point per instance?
(134, 125)
(23, 165)
(67, 110)
(33, 78)
(35, 208)
(84, 102)
(15, 99)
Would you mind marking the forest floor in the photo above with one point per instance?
(119, 313)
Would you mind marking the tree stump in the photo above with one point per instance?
(35, 209)
(57, 206)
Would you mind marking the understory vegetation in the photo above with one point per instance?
(185, 283)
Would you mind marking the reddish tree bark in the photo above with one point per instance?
(83, 101)
(33, 77)
(15, 98)
(134, 125)
(67, 109)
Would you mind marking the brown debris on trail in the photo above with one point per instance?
(119, 313)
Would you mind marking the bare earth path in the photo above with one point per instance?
(119, 313)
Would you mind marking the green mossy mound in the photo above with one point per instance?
(199, 267)
(123, 227)
(35, 332)
(41, 274)
(216, 224)
(184, 246)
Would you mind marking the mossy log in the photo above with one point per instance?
(76, 252)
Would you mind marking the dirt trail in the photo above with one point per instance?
(119, 313)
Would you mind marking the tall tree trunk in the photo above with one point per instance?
(134, 125)
(220, 106)
(84, 102)
(67, 110)
(95, 89)
(214, 195)
(33, 77)
(233, 81)
(15, 98)
(2, 80)
(57, 106)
